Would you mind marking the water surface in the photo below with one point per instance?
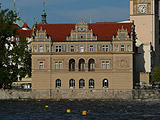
(96, 110)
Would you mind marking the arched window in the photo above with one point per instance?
(71, 65)
(91, 65)
(72, 83)
(91, 83)
(81, 65)
(81, 83)
(105, 83)
(58, 83)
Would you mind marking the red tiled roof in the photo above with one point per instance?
(24, 33)
(25, 26)
(104, 31)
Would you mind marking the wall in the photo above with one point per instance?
(80, 94)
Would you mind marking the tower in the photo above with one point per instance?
(44, 14)
(145, 14)
(15, 14)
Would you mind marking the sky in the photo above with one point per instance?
(71, 11)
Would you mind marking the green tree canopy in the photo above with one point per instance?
(7, 31)
(156, 74)
(15, 58)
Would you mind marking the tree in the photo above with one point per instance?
(7, 31)
(156, 74)
(21, 58)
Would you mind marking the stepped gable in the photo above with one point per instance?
(104, 31)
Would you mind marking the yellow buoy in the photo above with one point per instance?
(68, 110)
(84, 112)
(46, 106)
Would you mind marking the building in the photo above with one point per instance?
(83, 56)
(145, 14)
(96, 56)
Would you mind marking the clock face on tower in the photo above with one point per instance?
(142, 9)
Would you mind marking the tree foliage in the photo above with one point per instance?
(156, 74)
(6, 32)
(22, 58)
(15, 59)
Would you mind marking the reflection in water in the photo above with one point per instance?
(96, 110)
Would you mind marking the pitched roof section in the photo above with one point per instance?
(25, 27)
(104, 31)
(24, 33)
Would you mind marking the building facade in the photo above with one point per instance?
(145, 14)
(83, 56)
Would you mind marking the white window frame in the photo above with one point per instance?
(107, 48)
(34, 48)
(58, 83)
(116, 48)
(41, 65)
(122, 48)
(56, 65)
(71, 83)
(41, 49)
(81, 48)
(47, 48)
(91, 48)
(60, 65)
(72, 48)
(128, 48)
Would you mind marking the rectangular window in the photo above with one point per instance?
(60, 65)
(88, 36)
(56, 65)
(103, 64)
(72, 48)
(47, 48)
(122, 48)
(40, 48)
(52, 48)
(41, 65)
(74, 36)
(81, 36)
(107, 64)
(128, 48)
(56, 48)
(91, 48)
(60, 49)
(107, 48)
(34, 48)
(81, 49)
(103, 48)
(116, 48)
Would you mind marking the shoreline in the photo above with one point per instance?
(137, 94)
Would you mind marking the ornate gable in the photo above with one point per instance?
(122, 35)
(41, 35)
(81, 33)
